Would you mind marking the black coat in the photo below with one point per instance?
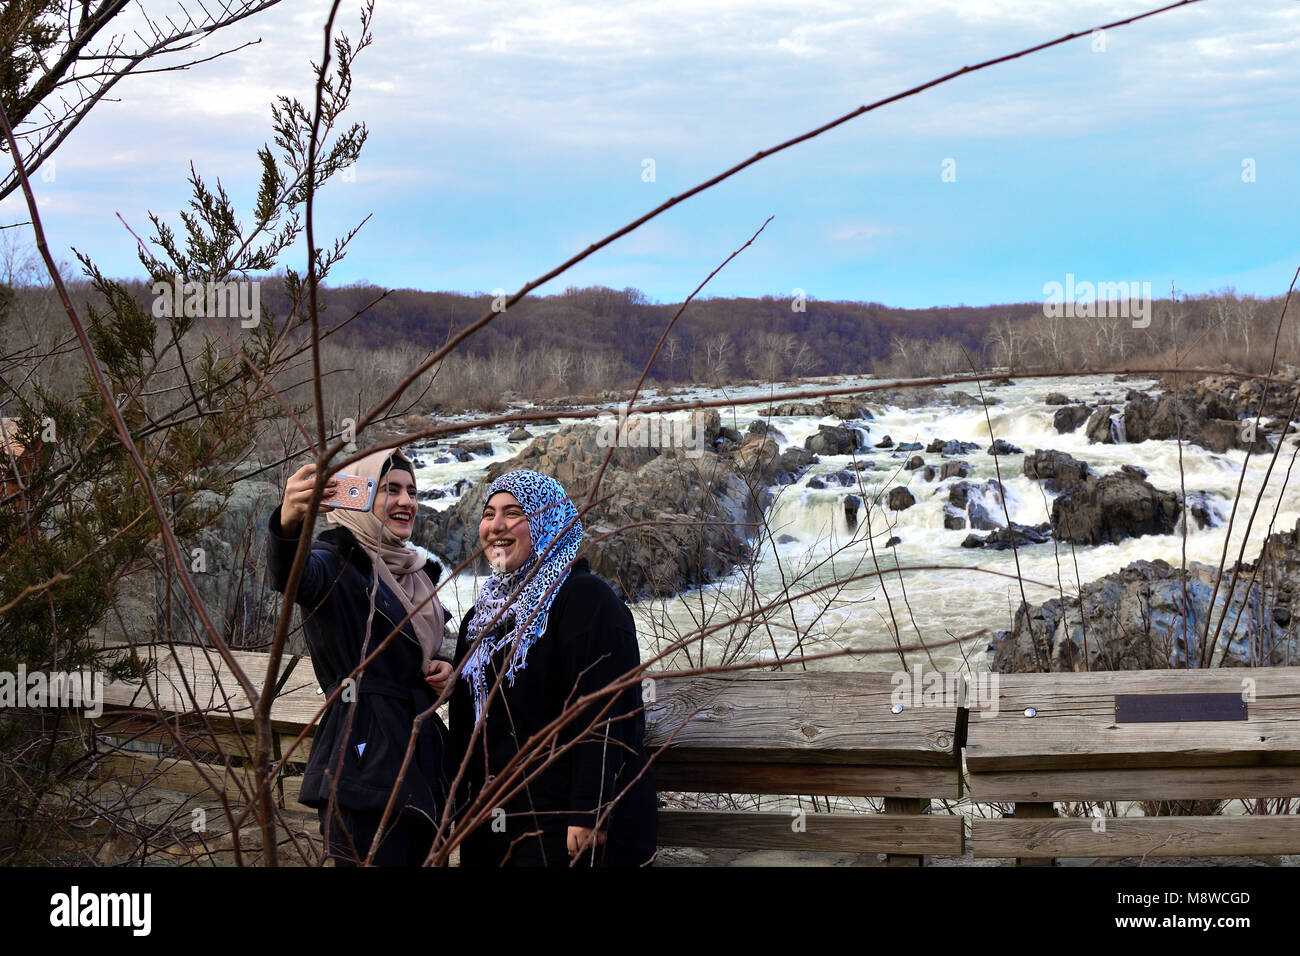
(334, 593)
(589, 643)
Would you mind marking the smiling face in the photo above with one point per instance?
(395, 502)
(504, 533)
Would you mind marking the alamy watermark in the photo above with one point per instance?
(1086, 300)
(945, 689)
(78, 689)
(227, 299)
(76, 908)
(651, 431)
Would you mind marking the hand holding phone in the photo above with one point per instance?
(302, 483)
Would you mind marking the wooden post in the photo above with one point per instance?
(904, 805)
(1034, 811)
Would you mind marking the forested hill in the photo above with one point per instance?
(714, 338)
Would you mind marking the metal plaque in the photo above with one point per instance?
(1156, 708)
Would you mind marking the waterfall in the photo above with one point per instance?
(1117, 434)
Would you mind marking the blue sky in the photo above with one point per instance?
(506, 136)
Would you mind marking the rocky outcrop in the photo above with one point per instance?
(794, 410)
(846, 409)
(223, 562)
(952, 447)
(1199, 414)
(922, 397)
(1112, 508)
(1018, 536)
(1243, 397)
(835, 440)
(693, 516)
(1055, 469)
(1147, 616)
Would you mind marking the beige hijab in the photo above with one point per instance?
(400, 564)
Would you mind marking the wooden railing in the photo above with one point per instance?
(1050, 743)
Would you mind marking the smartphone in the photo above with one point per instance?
(351, 492)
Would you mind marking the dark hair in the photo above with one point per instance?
(393, 463)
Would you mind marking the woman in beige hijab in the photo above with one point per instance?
(357, 752)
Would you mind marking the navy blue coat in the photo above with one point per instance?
(589, 643)
(334, 593)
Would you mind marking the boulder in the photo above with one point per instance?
(913, 463)
(1070, 417)
(900, 499)
(1056, 398)
(760, 427)
(953, 520)
(472, 448)
(851, 505)
(1001, 447)
(1055, 468)
(981, 519)
(954, 469)
(959, 495)
(519, 434)
(795, 459)
(1099, 429)
(1018, 536)
(1110, 509)
(708, 422)
(885, 442)
(941, 447)
(846, 409)
(834, 440)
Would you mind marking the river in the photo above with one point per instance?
(810, 543)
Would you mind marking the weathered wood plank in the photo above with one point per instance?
(233, 744)
(810, 779)
(924, 834)
(1074, 726)
(182, 776)
(810, 717)
(1137, 836)
(212, 688)
(1168, 783)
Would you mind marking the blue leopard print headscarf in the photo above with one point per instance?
(556, 532)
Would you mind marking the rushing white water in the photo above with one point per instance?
(809, 544)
